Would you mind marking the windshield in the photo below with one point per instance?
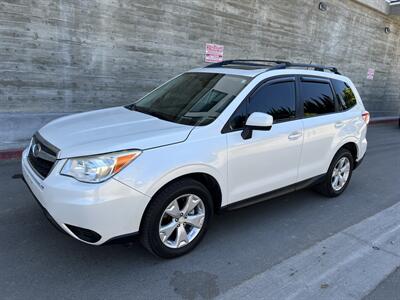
(192, 98)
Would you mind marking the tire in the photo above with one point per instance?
(159, 213)
(327, 186)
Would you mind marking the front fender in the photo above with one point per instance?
(187, 170)
(156, 167)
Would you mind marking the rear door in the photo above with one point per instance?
(320, 125)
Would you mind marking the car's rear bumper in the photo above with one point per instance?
(362, 148)
(358, 163)
(91, 213)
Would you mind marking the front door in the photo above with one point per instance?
(269, 159)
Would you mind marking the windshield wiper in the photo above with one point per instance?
(159, 115)
(149, 112)
(131, 106)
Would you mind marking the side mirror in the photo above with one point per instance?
(257, 121)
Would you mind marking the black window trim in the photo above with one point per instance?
(315, 79)
(318, 79)
(268, 81)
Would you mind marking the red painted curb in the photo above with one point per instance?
(10, 154)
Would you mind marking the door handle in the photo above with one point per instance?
(339, 124)
(295, 135)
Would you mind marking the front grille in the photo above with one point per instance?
(42, 156)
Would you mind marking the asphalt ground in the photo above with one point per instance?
(38, 262)
(387, 289)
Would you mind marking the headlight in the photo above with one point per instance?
(94, 169)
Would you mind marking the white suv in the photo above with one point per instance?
(213, 138)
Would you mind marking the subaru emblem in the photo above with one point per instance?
(36, 149)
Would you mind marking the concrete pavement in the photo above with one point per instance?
(37, 261)
(347, 265)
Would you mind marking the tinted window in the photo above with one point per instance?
(344, 94)
(277, 99)
(317, 98)
(192, 98)
(238, 119)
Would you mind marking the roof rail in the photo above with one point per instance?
(280, 64)
(312, 66)
(247, 62)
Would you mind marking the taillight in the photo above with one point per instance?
(365, 116)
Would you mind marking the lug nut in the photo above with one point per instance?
(176, 220)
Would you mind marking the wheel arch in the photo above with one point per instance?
(349, 144)
(353, 148)
(209, 179)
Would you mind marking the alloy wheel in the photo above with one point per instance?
(340, 174)
(182, 221)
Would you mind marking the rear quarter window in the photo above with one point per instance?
(344, 94)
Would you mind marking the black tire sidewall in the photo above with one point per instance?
(158, 206)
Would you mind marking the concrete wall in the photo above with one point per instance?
(60, 56)
(379, 5)
(395, 9)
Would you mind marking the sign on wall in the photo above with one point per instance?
(371, 74)
(214, 53)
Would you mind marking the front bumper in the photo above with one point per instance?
(109, 209)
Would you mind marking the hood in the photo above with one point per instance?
(110, 130)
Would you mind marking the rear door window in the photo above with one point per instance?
(317, 97)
